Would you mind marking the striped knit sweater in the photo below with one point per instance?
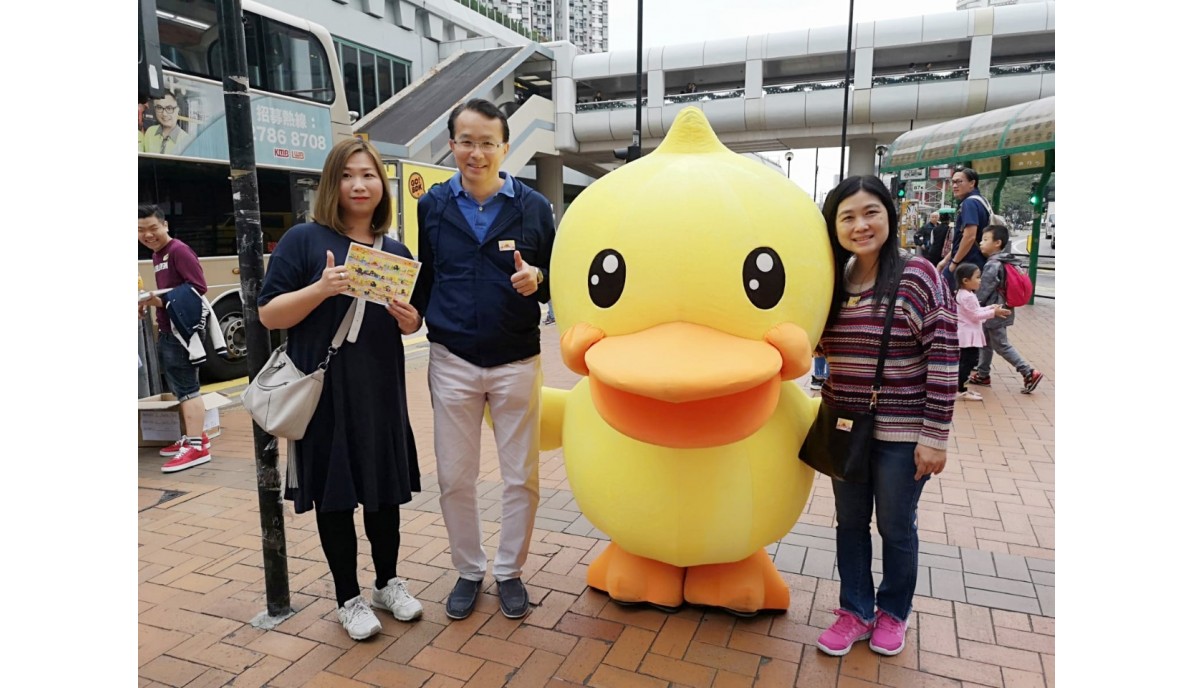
(920, 378)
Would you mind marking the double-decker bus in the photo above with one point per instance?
(298, 110)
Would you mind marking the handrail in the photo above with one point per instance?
(702, 96)
(804, 86)
(1035, 67)
(617, 104)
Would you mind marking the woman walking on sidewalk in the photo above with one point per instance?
(358, 448)
(915, 406)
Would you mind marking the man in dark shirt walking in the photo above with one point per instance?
(973, 217)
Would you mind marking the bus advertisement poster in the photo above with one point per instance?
(188, 122)
(416, 179)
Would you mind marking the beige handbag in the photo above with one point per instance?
(281, 399)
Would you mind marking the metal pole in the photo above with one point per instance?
(816, 171)
(636, 146)
(841, 172)
(243, 167)
(1034, 254)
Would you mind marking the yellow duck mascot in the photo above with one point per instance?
(688, 287)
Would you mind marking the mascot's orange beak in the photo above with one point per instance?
(686, 386)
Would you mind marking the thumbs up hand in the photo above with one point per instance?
(526, 276)
(334, 279)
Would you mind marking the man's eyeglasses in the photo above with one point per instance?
(485, 146)
(167, 109)
(956, 181)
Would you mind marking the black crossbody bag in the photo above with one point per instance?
(839, 442)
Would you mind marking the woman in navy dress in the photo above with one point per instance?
(358, 448)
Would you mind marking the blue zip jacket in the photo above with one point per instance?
(464, 290)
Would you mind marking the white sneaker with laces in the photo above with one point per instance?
(970, 396)
(358, 619)
(398, 600)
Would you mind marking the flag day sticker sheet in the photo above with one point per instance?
(378, 276)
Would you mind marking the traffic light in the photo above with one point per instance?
(901, 191)
(1035, 200)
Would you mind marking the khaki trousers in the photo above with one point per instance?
(459, 393)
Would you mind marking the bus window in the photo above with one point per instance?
(281, 58)
(295, 63)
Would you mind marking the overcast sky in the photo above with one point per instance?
(667, 22)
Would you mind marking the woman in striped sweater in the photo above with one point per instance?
(915, 405)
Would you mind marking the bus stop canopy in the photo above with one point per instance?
(1022, 133)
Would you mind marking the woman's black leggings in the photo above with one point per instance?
(338, 536)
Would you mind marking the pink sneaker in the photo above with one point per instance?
(888, 638)
(841, 636)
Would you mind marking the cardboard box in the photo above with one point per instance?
(159, 418)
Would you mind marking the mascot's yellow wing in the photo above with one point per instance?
(551, 418)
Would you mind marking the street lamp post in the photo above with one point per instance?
(846, 90)
(788, 156)
(816, 171)
(636, 146)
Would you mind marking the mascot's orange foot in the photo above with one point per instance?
(633, 579)
(742, 587)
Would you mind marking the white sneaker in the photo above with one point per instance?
(970, 396)
(358, 619)
(398, 600)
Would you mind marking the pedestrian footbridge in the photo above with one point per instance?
(772, 91)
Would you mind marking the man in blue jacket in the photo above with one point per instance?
(485, 242)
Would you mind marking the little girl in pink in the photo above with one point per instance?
(970, 325)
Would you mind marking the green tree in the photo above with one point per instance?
(1014, 200)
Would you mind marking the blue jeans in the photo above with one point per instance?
(892, 494)
(181, 377)
(820, 367)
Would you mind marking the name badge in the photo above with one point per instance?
(507, 245)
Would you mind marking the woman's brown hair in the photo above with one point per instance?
(327, 199)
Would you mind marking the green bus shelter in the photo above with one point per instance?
(1008, 142)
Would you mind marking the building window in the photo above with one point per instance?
(370, 77)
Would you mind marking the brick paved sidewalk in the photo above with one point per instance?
(983, 615)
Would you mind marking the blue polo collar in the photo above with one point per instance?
(457, 188)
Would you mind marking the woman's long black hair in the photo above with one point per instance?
(891, 262)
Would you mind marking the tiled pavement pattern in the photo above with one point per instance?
(982, 616)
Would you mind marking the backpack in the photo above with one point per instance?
(993, 219)
(1017, 288)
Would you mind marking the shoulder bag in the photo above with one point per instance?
(839, 442)
(282, 399)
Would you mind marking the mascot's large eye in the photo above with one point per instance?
(607, 278)
(763, 278)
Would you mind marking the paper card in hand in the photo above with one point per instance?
(378, 276)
